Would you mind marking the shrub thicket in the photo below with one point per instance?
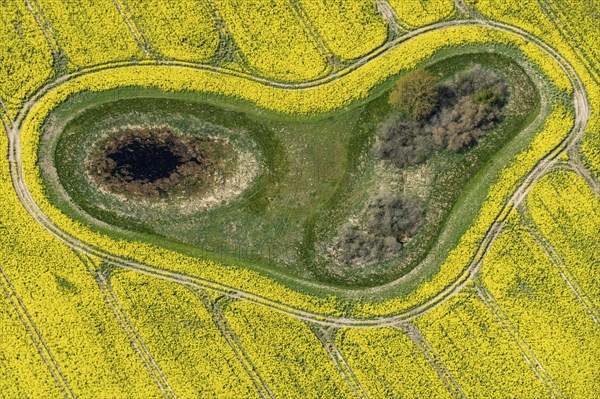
(456, 118)
(403, 143)
(468, 107)
(390, 222)
(451, 116)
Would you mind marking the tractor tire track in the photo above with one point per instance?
(332, 59)
(34, 333)
(416, 336)
(390, 16)
(46, 28)
(214, 309)
(567, 35)
(135, 339)
(228, 47)
(336, 356)
(575, 165)
(5, 118)
(134, 27)
(513, 333)
(564, 271)
(462, 7)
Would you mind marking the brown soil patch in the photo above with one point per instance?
(154, 163)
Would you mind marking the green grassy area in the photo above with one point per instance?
(315, 172)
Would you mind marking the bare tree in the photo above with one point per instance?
(403, 143)
(391, 222)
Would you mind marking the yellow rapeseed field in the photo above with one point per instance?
(511, 311)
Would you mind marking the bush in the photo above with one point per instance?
(478, 80)
(470, 106)
(357, 247)
(390, 223)
(463, 124)
(403, 143)
(391, 216)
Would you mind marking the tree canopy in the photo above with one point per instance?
(416, 94)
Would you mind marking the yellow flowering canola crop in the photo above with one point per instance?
(523, 322)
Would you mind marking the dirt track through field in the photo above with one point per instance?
(134, 27)
(214, 309)
(524, 348)
(34, 333)
(127, 326)
(388, 13)
(328, 343)
(420, 342)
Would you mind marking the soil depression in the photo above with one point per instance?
(155, 162)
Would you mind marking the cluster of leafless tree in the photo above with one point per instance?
(433, 116)
(451, 116)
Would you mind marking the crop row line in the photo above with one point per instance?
(213, 308)
(134, 337)
(34, 333)
(524, 348)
